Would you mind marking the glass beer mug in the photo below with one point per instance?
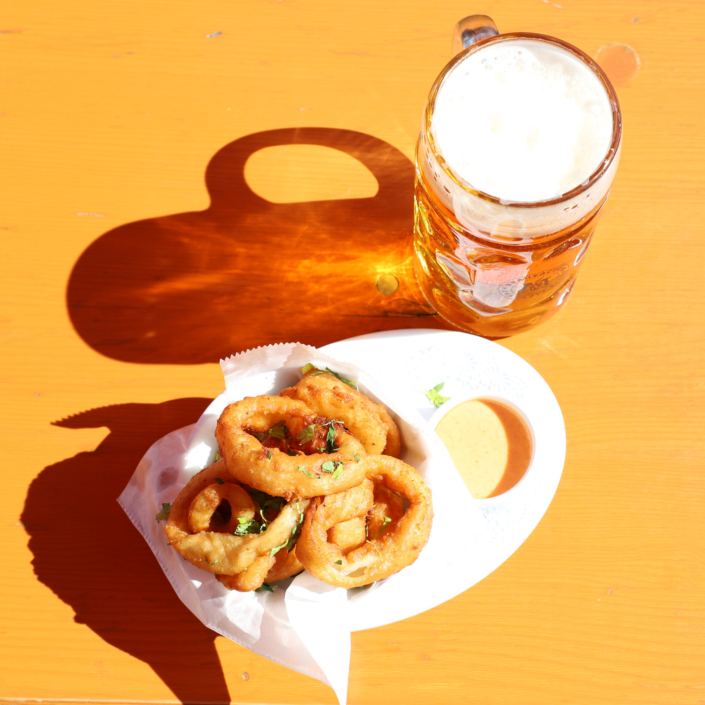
(519, 145)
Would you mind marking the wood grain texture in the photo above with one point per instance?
(111, 114)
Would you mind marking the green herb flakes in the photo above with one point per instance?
(330, 438)
(164, 513)
(387, 521)
(434, 397)
(279, 430)
(331, 466)
(338, 472)
(307, 434)
(247, 526)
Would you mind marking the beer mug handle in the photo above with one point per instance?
(471, 30)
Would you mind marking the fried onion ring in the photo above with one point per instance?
(351, 532)
(369, 422)
(349, 535)
(397, 547)
(286, 565)
(283, 565)
(222, 553)
(202, 512)
(272, 470)
(393, 447)
(252, 577)
(329, 397)
(386, 511)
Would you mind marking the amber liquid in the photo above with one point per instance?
(490, 288)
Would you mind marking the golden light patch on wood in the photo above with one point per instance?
(387, 284)
(304, 172)
(620, 62)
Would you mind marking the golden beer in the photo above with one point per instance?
(494, 264)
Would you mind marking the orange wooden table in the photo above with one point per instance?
(147, 148)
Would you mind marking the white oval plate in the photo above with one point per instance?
(410, 362)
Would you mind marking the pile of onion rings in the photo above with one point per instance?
(308, 480)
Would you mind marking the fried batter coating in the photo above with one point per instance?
(274, 471)
(223, 553)
(351, 533)
(286, 565)
(386, 511)
(368, 422)
(251, 578)
(394, 548)
(202, 514)
(264, 570)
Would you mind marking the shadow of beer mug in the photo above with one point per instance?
(189, 288)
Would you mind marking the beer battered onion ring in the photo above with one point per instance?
(252, 577)
(282, 565)
(223, 553)
(352, 532)
(273, 471)
(398, 546)
(367, 421)
(205, 503)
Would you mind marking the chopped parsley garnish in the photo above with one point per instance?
(307, 434)
(357, 458)
(269, 455)
(266, 503)
(338, 472)
(291, 541)
(218, 456)
(331, 466)
(219, 481)
(306, 472)
(265, 587)
(387, 521)
(349, 382)
(434, 397)
(330, 438)
(164, 513)
(276, 549)
(307, 368)
(338, 562)
(375, 547)
(279, 430)
(248, 526)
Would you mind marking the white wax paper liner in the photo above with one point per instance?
(305, 624)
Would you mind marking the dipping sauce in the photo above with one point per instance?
(490, 445)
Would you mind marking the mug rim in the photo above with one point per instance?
(602, 168)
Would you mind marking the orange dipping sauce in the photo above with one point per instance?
(489, 443)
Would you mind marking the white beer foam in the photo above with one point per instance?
(522, 120)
